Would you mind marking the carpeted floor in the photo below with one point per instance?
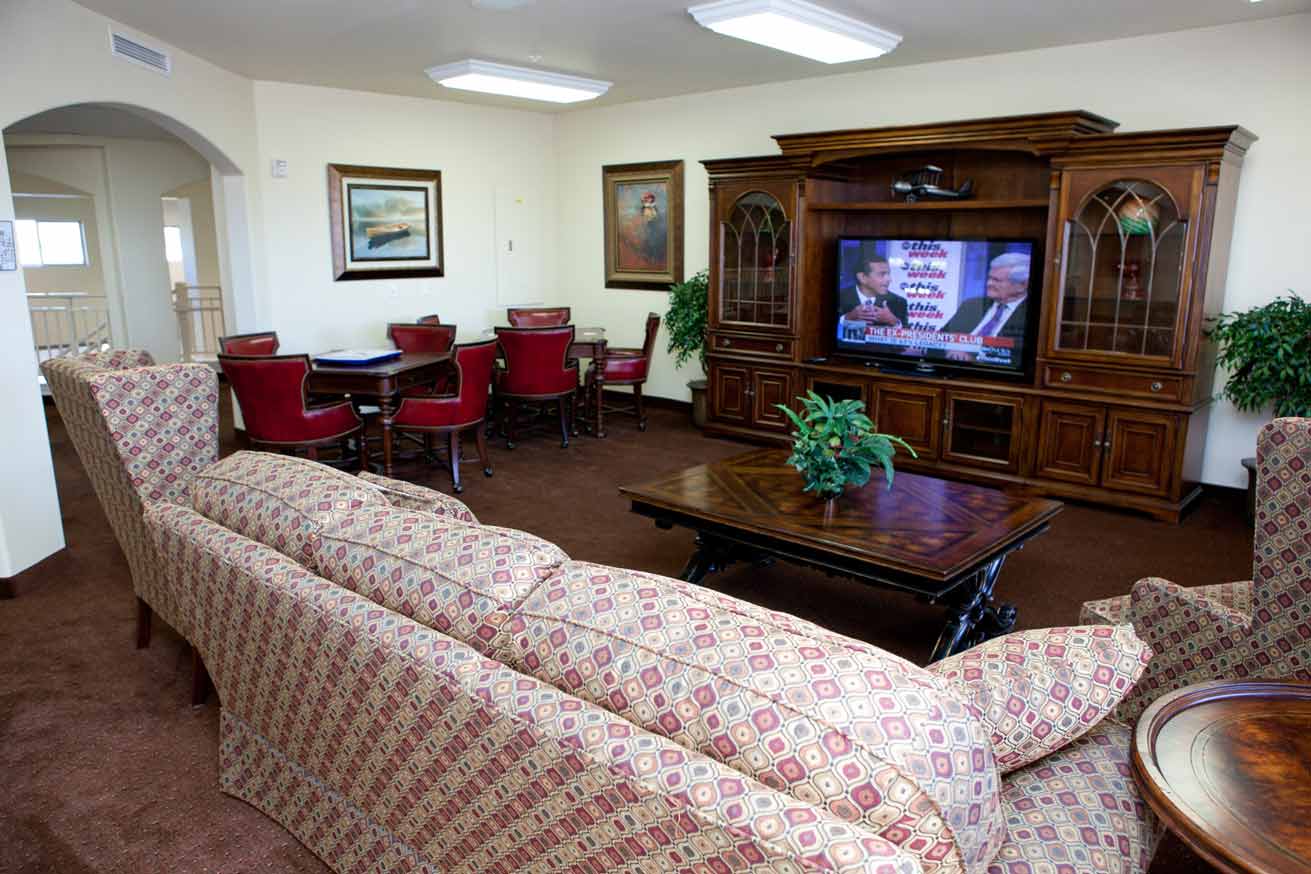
(104, 766)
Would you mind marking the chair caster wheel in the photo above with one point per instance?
(487, 471)
(509, 444)
(459, 489)
(564, 444)
(641, 426)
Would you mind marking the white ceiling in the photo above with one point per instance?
(648, 48)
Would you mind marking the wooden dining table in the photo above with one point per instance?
(380, 382)
(590, 343)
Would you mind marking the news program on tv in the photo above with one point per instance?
(961, 301)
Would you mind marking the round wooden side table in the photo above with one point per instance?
(1227, 766)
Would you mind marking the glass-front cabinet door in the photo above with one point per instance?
(1124, 274)
(756, 260)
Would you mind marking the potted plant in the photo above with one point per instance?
(1267, 351)
(686, 323)
(835, 445)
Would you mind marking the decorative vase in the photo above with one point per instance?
(1138, 217)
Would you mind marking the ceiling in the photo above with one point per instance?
(648, 48)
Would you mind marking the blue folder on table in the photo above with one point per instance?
(357, 356)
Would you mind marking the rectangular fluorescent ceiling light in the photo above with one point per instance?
(798, 27)
(531, 84)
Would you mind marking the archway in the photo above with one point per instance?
(30, 523)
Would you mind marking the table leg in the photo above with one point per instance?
(600, 402)
(972, 616)
(712, 556)
(387, 407)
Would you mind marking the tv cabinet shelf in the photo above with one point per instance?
(1113, 409)
(925, 205)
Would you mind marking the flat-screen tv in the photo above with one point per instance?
(962, 302)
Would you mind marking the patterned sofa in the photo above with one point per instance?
(1258, 629)
(142, 433)
(405, 689)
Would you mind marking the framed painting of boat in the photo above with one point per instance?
(386, 222)
(643, 208)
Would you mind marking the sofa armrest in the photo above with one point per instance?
(1195, 637)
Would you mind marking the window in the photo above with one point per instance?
(50, 244)
(173, 244)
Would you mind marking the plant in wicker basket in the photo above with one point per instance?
(835, 445)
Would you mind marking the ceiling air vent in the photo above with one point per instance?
(129, 49)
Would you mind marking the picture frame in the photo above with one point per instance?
(386, 222)
(8, 248)
(643, 217)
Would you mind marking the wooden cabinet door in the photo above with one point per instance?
(730, 394)
(1121, 282)
(754, 255)
(983, 430)
(1139, 449)
(770, 387)
(913, 413)
(1070, 442)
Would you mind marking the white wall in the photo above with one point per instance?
(203, 233)
(1255, 74)
(484, 153)
(137, 173)
(56, 54)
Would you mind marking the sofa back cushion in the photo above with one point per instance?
(1036, 691)
(410, 496)
(870, 737)
(279, 500)
(463, 580)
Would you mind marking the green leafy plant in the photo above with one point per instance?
(1267, 351)
(686, 318)
(835, 445)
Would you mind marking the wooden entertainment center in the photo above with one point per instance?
(1115, 407)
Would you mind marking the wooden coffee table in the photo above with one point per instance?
(1227, 766)
(942, 541)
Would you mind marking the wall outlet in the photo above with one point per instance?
(279, 168)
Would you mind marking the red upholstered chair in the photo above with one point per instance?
(428, 339)
(537, 317)
(628, 367)
(271, 392)
(261, 343)
(536, 369)
(432, 319)
(453, 414)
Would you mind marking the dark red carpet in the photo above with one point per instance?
(104, 766)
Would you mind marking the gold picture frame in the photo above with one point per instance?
(643, 211)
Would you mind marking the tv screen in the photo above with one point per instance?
(964, 302)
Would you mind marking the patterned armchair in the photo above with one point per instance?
(142, 432)
(1255, 630)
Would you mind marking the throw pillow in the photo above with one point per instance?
(1036, 691)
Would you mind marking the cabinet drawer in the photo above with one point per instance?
(1166, 388)
(766, 346)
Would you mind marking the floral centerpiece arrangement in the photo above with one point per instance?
(835, 445)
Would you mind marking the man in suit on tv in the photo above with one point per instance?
(870, 300)
(1002, 311)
